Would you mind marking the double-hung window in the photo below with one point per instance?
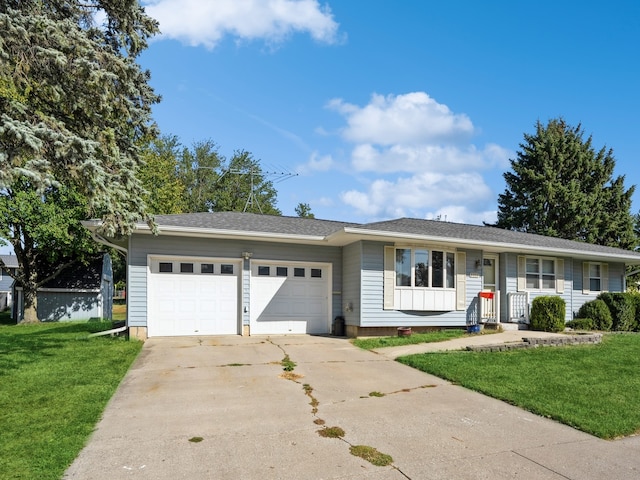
(540, 273)
(595, 277)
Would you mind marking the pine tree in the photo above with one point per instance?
(74, 105)
(561, 187)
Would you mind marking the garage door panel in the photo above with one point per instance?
(291, 304)
(192, 303)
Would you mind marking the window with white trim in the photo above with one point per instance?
(540, 273)
(595, 277)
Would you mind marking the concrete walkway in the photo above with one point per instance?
(223, 408)
(505, 337)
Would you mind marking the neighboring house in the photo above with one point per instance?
(79, 293)
(242, 273)
(6, 281)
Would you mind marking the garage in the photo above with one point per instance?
(289, 298)
(193, 297)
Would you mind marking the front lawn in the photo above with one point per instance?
(54, 385)
(593, 388)
(435, 336)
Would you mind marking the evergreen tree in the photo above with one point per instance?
(303, 210)
(74, 105)
(561, 187)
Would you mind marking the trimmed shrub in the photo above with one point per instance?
(582, 324)
(636, 300)
(599, 313)
(547, 314)
(623, 310)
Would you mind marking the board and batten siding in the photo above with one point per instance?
(372, 289)
(143, 245)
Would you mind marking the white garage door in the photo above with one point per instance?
(193, 297)
(289, 298)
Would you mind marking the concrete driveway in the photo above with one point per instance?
(219, 408)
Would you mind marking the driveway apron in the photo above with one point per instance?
(224, 408)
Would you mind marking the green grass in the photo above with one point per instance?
(380, 342)
(54, 385)
(593, 388)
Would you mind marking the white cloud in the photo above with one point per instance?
(462, 214)
(413, 118)
(205, 22)
(423, 192)
(416, 158)
(431, 146)
(316, 163)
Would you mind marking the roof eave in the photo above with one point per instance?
(496, 247)
(232, 234)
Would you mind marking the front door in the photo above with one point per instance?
(490, 273)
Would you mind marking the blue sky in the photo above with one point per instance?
(387, 109)
(395, 108)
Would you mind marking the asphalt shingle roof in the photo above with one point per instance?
(484, 234)
(271, 224)
(252, 222)
(11, 261)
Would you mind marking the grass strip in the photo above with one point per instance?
(54, 385)
(592, 388)
(428, 337)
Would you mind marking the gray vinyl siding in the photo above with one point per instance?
(572, 294)
(6, 281)
(372, 288)
(511, 271)
(6, 286)
(474, 284)
(351, 289)
(616, 284)
(142, 245)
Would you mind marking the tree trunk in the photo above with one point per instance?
(30, 295)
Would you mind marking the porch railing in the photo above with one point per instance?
(489, 307)
(518, 307)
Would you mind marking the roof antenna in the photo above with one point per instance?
(253, 198)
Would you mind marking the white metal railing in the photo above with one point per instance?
(518, 307)
(489, 307)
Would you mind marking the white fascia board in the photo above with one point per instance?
(495, 247)
(232, 234)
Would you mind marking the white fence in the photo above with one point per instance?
(518, 307)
